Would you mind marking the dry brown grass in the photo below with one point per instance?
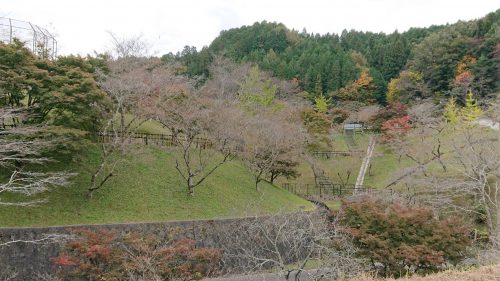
(484, 273)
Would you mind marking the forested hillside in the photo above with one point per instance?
(438, 61)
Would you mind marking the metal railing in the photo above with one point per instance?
(38, 39)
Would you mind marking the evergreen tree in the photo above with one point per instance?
(471, 111)
(451, 113)
(318, 87)
(321, 103)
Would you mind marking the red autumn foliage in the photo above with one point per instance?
(102, 255)
(395, 128)
(404, 239)
(393, 110)
(64, 260)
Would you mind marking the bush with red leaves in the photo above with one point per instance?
(102, 255)
(395, 128)
(403, 239)
(393, 110)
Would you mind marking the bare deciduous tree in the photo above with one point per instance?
(476, 159)
(226, 78)
(206, 131)
(269, 139)
(133, 84)
(456, 168)
(19, 152)
(287, 242)
(134, 46)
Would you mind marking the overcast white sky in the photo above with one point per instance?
(81, 25)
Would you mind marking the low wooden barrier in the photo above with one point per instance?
(155, 139)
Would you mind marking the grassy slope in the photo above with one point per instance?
(148, 127)
(384, 163)
(148, 188)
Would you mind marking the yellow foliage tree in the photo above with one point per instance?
(321, 104)
(451, 114)
(392, 91)
(471, 111)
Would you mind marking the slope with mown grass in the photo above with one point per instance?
(147, 188)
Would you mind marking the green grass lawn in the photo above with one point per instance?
(148, 127)
(335, 165)
(147, 188)
(383, 164)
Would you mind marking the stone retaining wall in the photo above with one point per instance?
(29, 259)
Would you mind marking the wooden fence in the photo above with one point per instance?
(9, 124)
(331, 153)
(155, 139)
(326, 190)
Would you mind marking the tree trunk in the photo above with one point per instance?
(122, 121)
(190, 185)
(273, 177)
(93, 180)
(257, 180)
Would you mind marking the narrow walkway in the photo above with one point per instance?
(364, 165)
(307, 275)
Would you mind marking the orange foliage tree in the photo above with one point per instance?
(360, 90)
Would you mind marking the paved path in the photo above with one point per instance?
(366, 161)
(305, 276)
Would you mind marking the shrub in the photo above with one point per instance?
(395, 128)
(93, 257)
(102, 255)
(404, 239)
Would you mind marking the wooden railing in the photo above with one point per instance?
(333, 153)
(155, 139)
(326, 190)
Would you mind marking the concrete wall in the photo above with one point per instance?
(28, 259)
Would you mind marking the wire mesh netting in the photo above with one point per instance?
(38, 39)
